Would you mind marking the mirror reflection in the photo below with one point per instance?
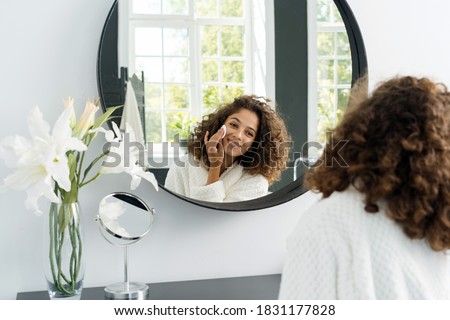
(185, 59)
(234, 154)
(124, 218)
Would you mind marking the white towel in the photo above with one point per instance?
(130, 116)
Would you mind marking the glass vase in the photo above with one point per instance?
(64, 259)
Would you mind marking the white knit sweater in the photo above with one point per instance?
(235, 183)
(340, 251)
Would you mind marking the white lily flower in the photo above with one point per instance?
(122, 159)
(109, 212)
(41, 161)
(69, 104)
(113, 135)
(12, 148)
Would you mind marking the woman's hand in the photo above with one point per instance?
(214, 148)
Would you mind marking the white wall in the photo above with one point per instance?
(48, 52)
(405, 37)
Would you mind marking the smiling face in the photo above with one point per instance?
(242, 128)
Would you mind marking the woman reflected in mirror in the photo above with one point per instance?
(234, 154)
(382, 227)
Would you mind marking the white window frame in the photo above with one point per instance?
(313, 86)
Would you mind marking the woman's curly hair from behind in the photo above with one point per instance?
(270, 150)
(397, 149)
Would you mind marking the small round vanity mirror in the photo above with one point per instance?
(124, 219)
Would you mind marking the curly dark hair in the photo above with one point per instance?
(397, 149)
(269, 152)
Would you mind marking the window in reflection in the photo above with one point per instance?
(160, 6)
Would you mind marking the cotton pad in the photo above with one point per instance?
(224, 131)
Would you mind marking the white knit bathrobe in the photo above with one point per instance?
(235, 183)
(340, 251)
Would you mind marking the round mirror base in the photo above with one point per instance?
(118, 291)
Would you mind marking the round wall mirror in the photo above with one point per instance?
(304, 54)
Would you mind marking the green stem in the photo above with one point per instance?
(61, 275)
(73, 256)
(90, 167)
(51, 227)
(80, 166)
(65, 220)
(80, 251)
(89, 181)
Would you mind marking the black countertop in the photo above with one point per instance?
(263, 287)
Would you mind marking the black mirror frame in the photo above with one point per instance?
(295, 188)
